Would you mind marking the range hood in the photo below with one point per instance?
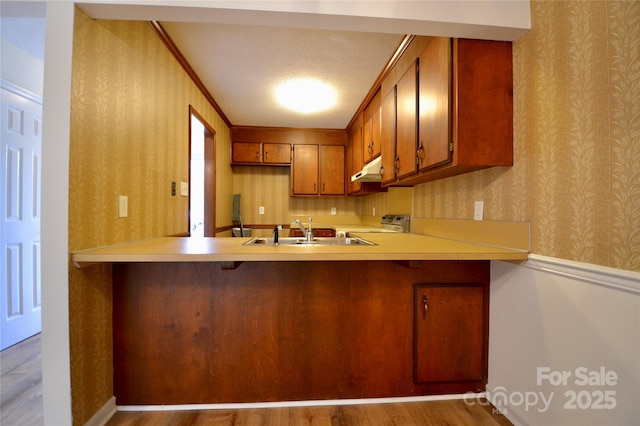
(370, 172)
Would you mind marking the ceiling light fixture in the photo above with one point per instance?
(306, 95)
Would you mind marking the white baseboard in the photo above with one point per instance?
(289, 404)
(102, 416)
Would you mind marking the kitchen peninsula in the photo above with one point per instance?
(213, 321)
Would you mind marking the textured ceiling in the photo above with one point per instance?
(240, 65)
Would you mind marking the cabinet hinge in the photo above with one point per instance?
(450, 146)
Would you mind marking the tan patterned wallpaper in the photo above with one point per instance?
(270, 187)
(577, 138)
(129, 136)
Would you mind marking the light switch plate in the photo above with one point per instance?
(261, 210)
(333, 211)
(478, 211)
(123, 206)
(184, 189)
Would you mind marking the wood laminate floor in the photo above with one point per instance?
(21, 384)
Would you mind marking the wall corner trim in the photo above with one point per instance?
(617, 279)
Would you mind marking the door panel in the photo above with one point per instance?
(407, 111)
(388, 137)
(354, 160)
(21, 125)
(305, 170)
(331, 170)
(434, 104)
(449, 332)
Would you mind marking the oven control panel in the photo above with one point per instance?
(396, 222)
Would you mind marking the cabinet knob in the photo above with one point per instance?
(258, 155)
(425, 306)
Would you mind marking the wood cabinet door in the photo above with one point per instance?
(331, 170)
(367, 144)
(304, 170)
(449, 332)
(407, 133)
(434, 104)
(355, 157)
(375, 134)
(371, 128)
(388, 137)
(276, 153)
(245, 152)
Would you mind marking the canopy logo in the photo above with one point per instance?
(594, 395)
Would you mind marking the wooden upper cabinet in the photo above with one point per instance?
(367, 144)
(435, 144)
(388, 137)
(454, 110)
(318, 170)
(272, 146)
(246, 152)
(258, 153)
(375, 134)
(332, 170)
(276, 153)
(371, 129)
(406, 124)
(354, 157)
(304, 172)
(483, 102)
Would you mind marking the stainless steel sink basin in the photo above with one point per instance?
(296, 241)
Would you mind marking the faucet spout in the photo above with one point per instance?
(308, 233)
(297, 222)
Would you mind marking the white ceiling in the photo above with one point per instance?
(241, 65)
(241, 49)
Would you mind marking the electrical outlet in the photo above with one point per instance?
(373, 211)
(261, 210)
(123, 206)
(173, 189)
(333, 211)
(478, 210)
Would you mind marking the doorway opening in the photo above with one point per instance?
(21, 84)
(196, 177)
(202, 186)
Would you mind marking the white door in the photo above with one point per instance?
(20, 160)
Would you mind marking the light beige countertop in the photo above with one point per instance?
(389, 246)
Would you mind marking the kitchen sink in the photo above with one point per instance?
(320, 241)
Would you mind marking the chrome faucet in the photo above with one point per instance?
(308, 233)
